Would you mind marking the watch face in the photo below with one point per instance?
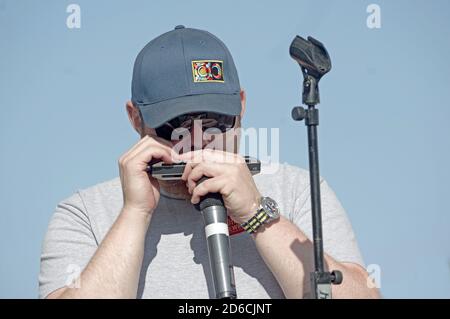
(270, 207)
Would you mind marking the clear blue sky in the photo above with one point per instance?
(383, 136)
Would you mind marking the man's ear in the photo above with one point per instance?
(243, 101)
(133, 116)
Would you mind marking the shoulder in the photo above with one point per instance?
(102, 196)
(105, 197)
(81, 202)
(103, 189)
(98, 205)
(284, 183)
(282, 174)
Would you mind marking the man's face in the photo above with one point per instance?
(197, 139)
(194, 138)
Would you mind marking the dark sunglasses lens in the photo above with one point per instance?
(216, 121)
(225, 122)
(164, 131)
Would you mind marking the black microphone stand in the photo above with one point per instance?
(314, 62)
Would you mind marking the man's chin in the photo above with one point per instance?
(173, 183)
(177, 188)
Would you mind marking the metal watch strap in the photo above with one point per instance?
(256, 221)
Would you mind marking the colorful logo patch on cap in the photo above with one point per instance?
(207, 71)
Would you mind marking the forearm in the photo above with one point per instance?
(289, 255)
(113, 271)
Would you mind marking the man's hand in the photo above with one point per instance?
(228, 175)
(114, 270)
(141, 191)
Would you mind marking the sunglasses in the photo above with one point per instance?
(215, 123)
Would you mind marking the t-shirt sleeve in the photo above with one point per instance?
(338, 236)
(68, 246)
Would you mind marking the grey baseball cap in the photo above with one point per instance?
(183, 71)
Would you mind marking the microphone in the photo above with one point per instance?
(218, 241)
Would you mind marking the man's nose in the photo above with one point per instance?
(198, 139)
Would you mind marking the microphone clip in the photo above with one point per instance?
(314, 61)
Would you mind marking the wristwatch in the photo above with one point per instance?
(267, 212)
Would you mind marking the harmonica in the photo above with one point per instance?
(167, 172)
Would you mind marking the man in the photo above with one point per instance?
(137, 237)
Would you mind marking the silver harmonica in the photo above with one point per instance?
(163, 171)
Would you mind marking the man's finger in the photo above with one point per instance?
(187, 170)
(212, 185)
(143, 157)
(133, 148)
(150, 143)
(207, 169)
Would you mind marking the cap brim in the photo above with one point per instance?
(157, 114)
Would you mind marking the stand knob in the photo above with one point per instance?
(298, 113)
(336, 277)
